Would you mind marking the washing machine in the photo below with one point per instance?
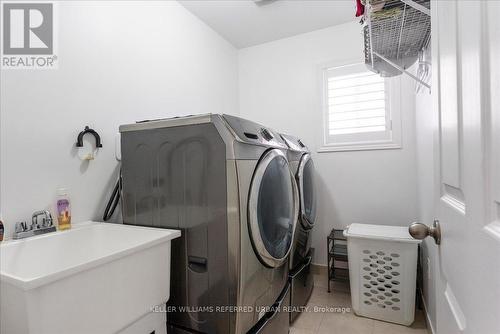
(301, 277)
(225, 183)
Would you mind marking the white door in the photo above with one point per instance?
(466, 94)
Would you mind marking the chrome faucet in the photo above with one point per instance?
(36, 228)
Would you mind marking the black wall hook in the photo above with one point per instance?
(79, 140)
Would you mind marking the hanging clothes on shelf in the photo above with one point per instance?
(395, 31)
(360, 8)
(375, 5)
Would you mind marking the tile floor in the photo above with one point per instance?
(345, 323)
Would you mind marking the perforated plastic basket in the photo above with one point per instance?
(382, 271)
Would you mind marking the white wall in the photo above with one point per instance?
(426, 125)
(279, 87)
(158, 60)
(118, 62)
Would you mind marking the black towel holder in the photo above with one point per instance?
(79, 140)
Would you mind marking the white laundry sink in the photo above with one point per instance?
(95, 278)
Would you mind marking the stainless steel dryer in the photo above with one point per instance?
(225, 182)
(301, 255)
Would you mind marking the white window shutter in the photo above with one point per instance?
(356, 103)
(359, 109)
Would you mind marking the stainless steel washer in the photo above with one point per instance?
(302, 283)
(225, 182)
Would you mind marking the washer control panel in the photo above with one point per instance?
(254, 133)
(266, 134)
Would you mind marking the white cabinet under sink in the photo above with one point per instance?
(151, 323)
(95, 278)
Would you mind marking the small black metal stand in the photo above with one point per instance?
(337, 253)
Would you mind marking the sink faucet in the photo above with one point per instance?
(24, 231)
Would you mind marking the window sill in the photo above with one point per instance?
(359, 147)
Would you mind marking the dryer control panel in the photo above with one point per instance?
(294, 143)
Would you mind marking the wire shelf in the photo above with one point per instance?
(395, 34)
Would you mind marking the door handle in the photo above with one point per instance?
(421, 231)
(197, 264)
(294, 273)
(275, 308)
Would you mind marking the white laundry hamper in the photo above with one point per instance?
(382, 271)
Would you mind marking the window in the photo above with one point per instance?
(360, 109)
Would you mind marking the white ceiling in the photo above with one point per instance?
(245, 22)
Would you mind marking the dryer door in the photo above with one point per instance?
(305, 179)
(272, 209)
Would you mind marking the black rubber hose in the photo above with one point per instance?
(113, 200)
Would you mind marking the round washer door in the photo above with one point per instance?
(272, 209)
(305, 179)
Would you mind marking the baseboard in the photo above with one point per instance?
(319, 269)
